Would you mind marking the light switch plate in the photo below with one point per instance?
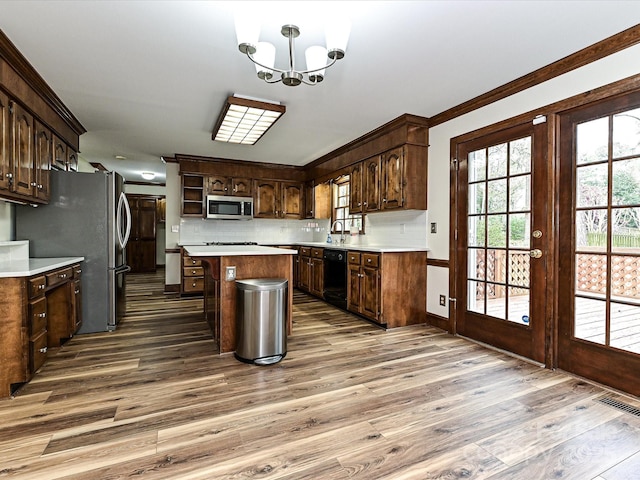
(230, 274)
(434, 227)
(175, 228)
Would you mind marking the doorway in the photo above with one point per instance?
(502, 239)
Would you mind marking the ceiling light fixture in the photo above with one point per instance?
(244, 120)
(263, 54)
(148, 175)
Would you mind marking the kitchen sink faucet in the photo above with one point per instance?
(341, 230)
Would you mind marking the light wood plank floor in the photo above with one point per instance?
(154, 400)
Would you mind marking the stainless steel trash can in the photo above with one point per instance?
(261, 315)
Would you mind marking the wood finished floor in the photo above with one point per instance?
(154, 400)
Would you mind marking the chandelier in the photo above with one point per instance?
(318, 58)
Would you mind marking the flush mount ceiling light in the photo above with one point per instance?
(263, 54)
(148, 175)
(244, 120)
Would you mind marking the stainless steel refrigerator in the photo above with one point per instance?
(88, 215)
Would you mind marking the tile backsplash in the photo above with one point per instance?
(399, 228)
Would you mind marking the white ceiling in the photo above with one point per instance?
(148, 78)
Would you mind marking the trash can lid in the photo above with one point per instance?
(261, 283)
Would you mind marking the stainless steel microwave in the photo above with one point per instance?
(229, 208)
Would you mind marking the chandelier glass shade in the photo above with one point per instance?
(318, 58)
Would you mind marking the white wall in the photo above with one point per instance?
(615, 67)
(172, 221)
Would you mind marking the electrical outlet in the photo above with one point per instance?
(175, 228)
(230, 274)
(443, 300)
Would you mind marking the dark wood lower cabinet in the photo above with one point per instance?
(388, 288)
(36, 314)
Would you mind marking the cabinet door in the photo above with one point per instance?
(355, 185)
(317, 276)
(291, 200)
(309, 200)
(5, 164)
(72, 160)
(218, 185)
(393, 179)
(241, 187)
(353, 288)
(42, 161)
(147, 211)
(59, 161)
(370, 285)
(266, 196)
(305, 274)
(22, 125)
(371, 181)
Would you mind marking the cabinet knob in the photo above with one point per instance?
(194, 284)
(77, 292)
(368, 260)
(43, 350)
(42, 315)
(9, 175)
(41, 286)
(193, 271)
(384, 200)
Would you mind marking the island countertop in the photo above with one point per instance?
(235, 250)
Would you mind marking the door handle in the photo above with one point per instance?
(535, 253)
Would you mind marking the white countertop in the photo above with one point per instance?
(363, 248)
(234, 250)
(335, 246)
(34, 266)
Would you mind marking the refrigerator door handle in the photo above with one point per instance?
(122, 269)
(123, 204)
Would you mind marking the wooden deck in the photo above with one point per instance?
(155, 400)
(590, 320)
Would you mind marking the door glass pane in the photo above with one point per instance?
(593, 184)
(520, 156)
(497, 196)
(590, 319)
(477, 264)
(496, 230)
(497, 161)
(475, 296)
(519, 234)
(591, 274)
(626, 182)
(497, 301)
(519, 305)
(625, 279)
(626, 231)
(519, 269)
(520, 193)
(496, 265)
(477, 165)
(477, 198)
(476, 232)
(592, 139)
(626, 133)
(591, 230)
(625, 326)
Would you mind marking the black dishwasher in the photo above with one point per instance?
(335, 277)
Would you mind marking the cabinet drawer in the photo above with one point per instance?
(38, 352)
(193, 272)
(353, 258)
(77, 271)
(191, 262)
(370, 259)
(305, 251)
(317, 252)
(59, 276)
(38, 316)
(37, 286)
(195, 284)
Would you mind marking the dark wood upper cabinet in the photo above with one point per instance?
(291, 198)
(393, 179)
(371, 184)
(237, 186)
(356, 191)
(59, 154)
(265, 202)
(42, 161)
(22, 133)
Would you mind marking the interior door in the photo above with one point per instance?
(502, 236)
(599, 229)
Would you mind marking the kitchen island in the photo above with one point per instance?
(249, 261)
